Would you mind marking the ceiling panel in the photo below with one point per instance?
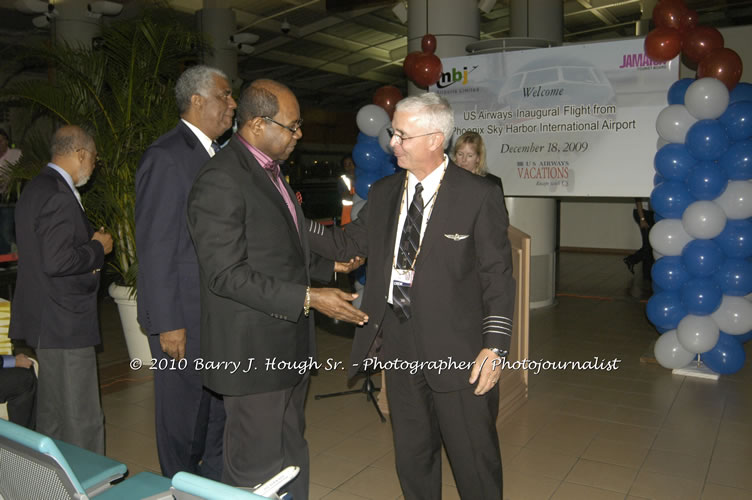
(340, 57)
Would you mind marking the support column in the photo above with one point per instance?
(642, 27)
(454, 23)
(74, 24)
(542, 19)
(218, 24)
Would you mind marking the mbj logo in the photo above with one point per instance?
(451, 77)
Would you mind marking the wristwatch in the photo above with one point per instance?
(499, 352)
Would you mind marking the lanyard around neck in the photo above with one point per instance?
(431, 201)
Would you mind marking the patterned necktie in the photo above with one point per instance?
(408, 249)
(215, 147)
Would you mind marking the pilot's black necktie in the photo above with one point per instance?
(408, 249)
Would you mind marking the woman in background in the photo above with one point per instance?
(469, 152)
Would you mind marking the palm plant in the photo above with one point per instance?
(123, 93)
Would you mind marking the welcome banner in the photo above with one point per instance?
(577, 120)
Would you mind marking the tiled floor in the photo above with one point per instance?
(632, 433)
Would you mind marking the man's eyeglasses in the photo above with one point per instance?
(400, 139)
(295, 127)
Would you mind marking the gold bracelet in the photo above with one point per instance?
(307, 302)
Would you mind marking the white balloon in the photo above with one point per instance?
(371, 119)
(660, 143)
(706, 98)
(736, 200)
(703, 219)
(673, 122)
(657, 255)
(384, 139)
(697, 334)
(669, 352)
(668, 237)
(734, 315)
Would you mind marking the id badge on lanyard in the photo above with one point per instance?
(402, 277)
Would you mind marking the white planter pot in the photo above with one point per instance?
(135, 338)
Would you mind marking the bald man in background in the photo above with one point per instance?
(54, 310)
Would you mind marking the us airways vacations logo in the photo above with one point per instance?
(455, 76)
(640, 60)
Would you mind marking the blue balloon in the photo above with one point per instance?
(737, 161)
(726, 357)
(707, 140)
(662, 330)
(657, 179)
(669, 273)
(707, 180)
(367, 157)
(389, 166)
(738, 120)
(363, 182)
(665, 310)
(363, 138)
(656, 289)
(746, 337)
(742, 92)
(702, 257)
(678, 89)
(670, 198)
(735, 277)
(701, 296)
(736, 238)
(674, 162)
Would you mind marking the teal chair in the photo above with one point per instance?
(186, 486)
(34, 466)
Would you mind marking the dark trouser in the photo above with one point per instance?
(263, 435)
(190, 420)
(18, 388)
(68, 405)
(422, 418)
(645, 253)
(7, 227)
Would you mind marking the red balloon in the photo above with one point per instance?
(701, 41)
(669, 14)
(427, 70)
(428, 43)
(689, 21)
(387, 97)
(723, 64)
(409, 64)
(663, 44)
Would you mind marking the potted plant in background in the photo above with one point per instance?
(122, 91)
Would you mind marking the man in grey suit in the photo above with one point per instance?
(440, 295)
(256, 271)
(189, 419)
(55, 305)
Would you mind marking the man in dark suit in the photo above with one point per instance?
(256, 271)
(55, 304)
(189, 418)
(439, 289)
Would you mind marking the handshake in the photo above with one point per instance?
(334, 302)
